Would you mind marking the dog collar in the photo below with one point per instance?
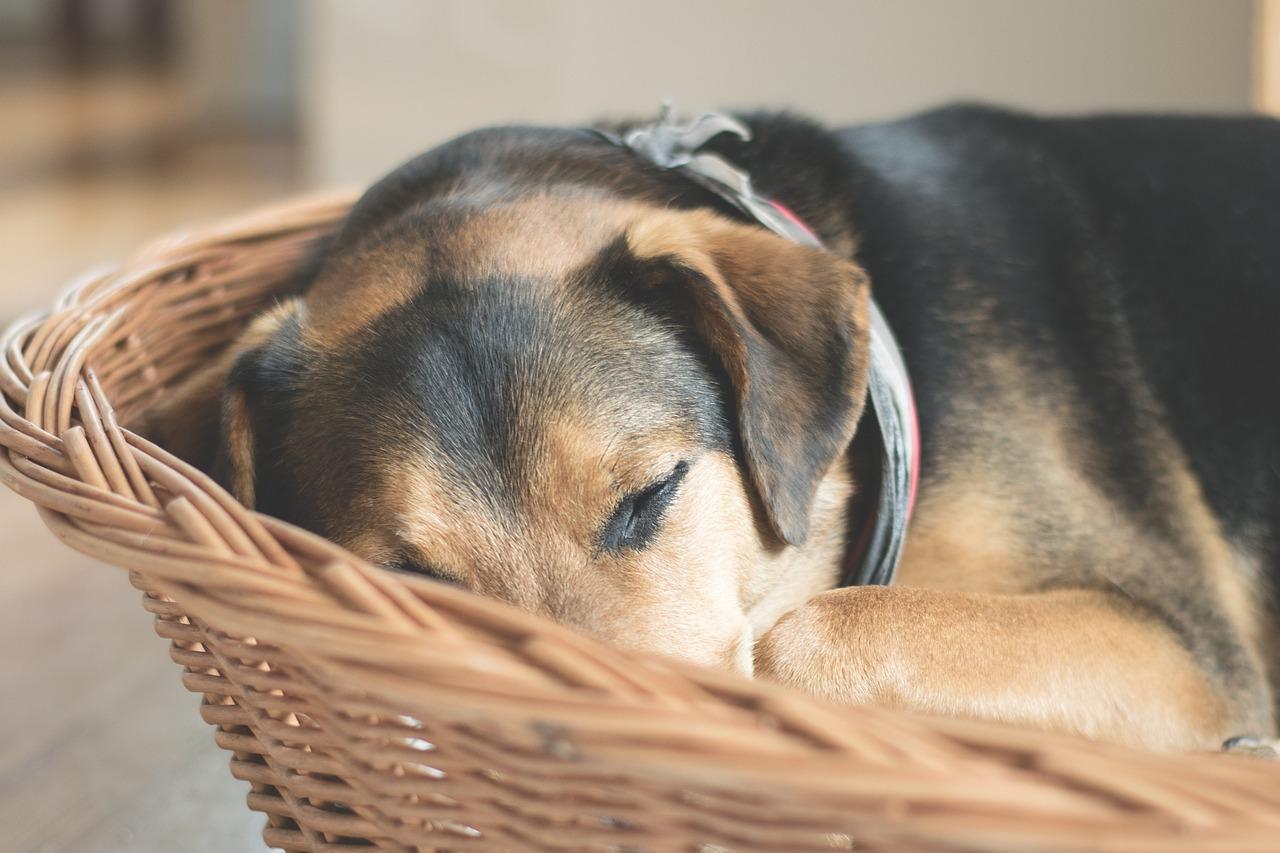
(875, 553)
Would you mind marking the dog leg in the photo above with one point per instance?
(1078, 661)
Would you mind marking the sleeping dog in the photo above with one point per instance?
(539, 366)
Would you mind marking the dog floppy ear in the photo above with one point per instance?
(256, 406)
(214, 418)
(788, 324)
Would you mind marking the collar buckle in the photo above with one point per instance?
(672, 145)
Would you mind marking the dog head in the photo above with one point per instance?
(621, 416)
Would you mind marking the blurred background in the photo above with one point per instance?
(124, 119)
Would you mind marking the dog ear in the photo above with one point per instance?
(256, 403)
(214, 418)
(789, 326)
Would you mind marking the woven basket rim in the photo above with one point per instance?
(360, 632)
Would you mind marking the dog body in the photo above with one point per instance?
(1084, 306)
(539, 367)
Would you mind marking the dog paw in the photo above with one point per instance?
(827, 647)
(1252, 747)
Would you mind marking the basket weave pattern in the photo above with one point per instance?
(370, 709)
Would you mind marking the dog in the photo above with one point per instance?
(540, 367)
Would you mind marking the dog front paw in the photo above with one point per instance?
(831, 647)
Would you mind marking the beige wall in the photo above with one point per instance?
(238, 61)
(382, 80)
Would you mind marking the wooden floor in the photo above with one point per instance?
(101, 749)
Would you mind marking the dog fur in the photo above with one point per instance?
(535, 366)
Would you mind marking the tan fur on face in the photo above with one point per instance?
(539, 237)
(363, 285)
(780, 578)
(678, 596)
(701, 592)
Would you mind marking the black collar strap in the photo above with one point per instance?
(873, 557)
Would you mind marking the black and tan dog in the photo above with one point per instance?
(539, 367)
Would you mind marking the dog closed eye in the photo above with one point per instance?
(636, 520)
(416, 567)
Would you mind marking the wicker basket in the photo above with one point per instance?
(371, 709)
